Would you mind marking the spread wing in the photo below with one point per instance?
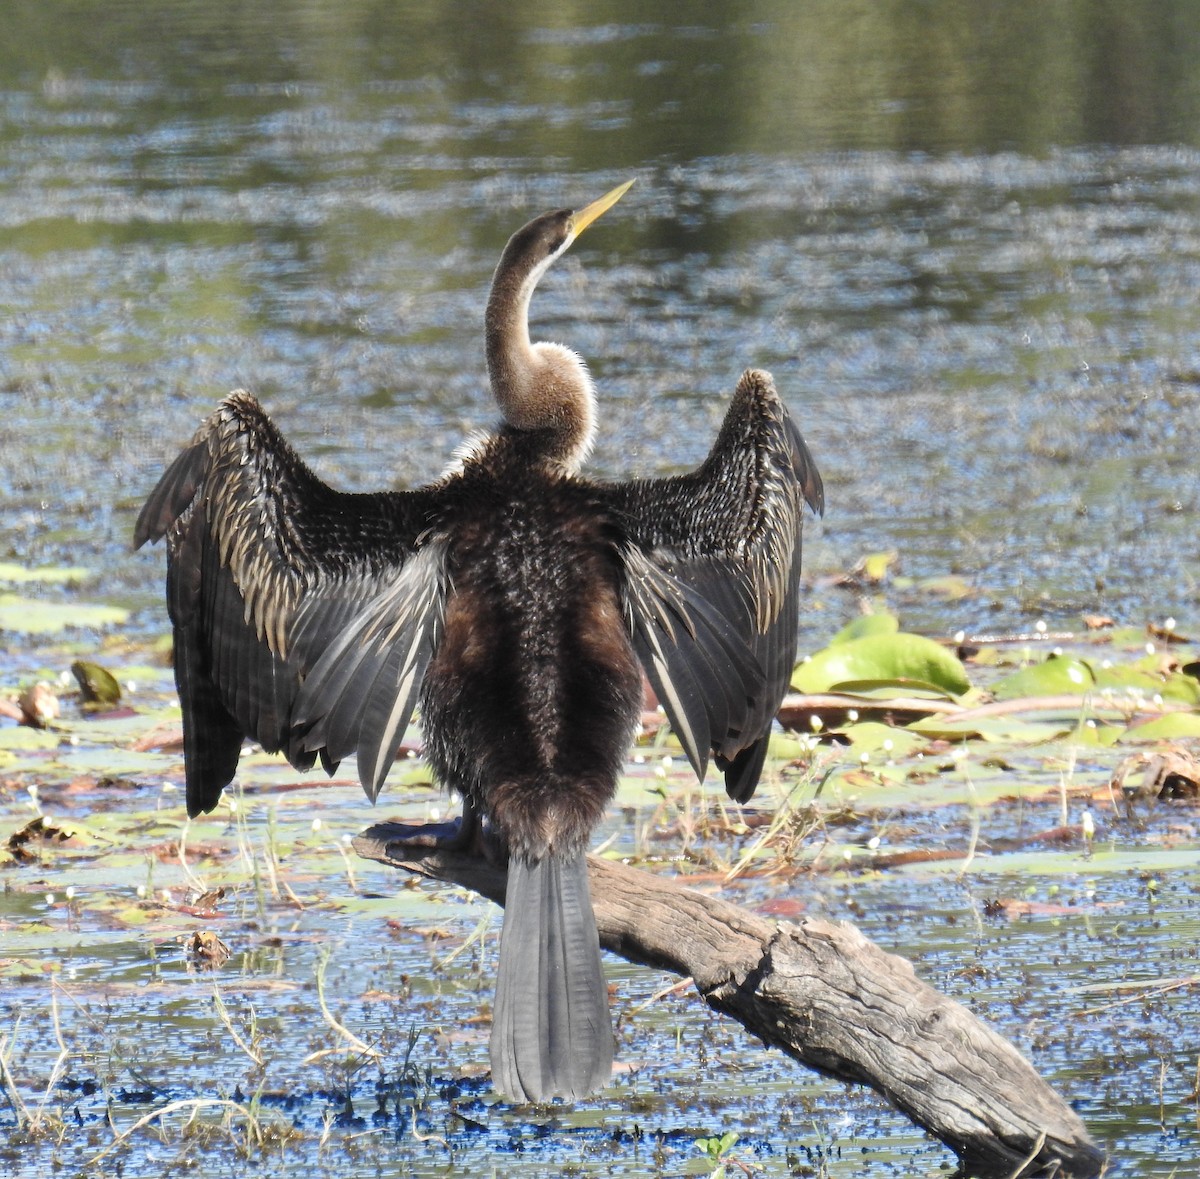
(712, 562)
(304, 617)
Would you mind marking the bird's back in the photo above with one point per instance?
(530, 701)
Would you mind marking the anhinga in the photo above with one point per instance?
(517, 604)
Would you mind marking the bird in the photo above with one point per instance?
(517, 603)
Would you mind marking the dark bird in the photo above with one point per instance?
(518, 605)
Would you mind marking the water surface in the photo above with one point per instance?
(967, 244)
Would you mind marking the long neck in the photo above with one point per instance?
(539, 387)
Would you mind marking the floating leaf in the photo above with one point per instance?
(31, 617)
(951, 587)
(64, 575)
(1013, 729)
(873, 737)
(1056, 676)
(788, 747)
(98, 685)
(1172, 726)
(874, 566)
(26, 738)
(866, 625)
(902, 659)
(1145, 677)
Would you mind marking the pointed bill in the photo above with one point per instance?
(585, 216)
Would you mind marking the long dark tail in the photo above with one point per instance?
(551, 1032)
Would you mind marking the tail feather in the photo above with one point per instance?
(551, 1032)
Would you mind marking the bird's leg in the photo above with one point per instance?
(466, 834)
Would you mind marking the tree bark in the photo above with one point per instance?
(825, 995)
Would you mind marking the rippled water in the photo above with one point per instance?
(966, 244)
(990, 340)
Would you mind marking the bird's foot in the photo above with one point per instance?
(469, 835)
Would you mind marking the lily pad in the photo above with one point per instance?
(60, 575)
(1150, 682)
(873, 737)
(1173, 726)
(902, 659)
(98, 685)
(865, 626)
(31, 617)
(1055, 676)
(1012, 729)
(874, 566)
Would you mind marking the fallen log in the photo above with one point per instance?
(827, 996)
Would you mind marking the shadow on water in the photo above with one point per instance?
(964, 241)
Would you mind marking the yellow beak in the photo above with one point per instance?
(582, 218)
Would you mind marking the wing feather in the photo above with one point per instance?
(712, 565)
(267, 568)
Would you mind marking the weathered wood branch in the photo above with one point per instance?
(827, 996)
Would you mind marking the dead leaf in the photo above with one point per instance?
(205, 949)
(39, 831)
(1166, 634)
(167, 738)
(38, 705)
(1169, 773)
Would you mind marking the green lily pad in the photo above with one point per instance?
(1012, 729)
(865, 626)
(61, 575)
(30, 617)
(951, 587)
(873, 737)
(874, 566)
(1138, 677)
(24, 738)
(1056, 676)
(902, 659)
(98, 685)
(1173, 726)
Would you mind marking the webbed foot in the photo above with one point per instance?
(467, 835)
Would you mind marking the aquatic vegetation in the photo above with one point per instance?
(1001, 850)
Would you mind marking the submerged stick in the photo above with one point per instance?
(825, 995)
